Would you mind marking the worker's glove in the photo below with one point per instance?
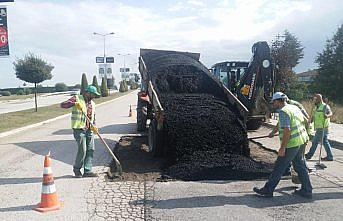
(78, 106)
(94, 129)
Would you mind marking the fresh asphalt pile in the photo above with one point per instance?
(205, 138)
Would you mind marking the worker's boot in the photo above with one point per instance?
(90, 174)
(263, 192)
(77, 173)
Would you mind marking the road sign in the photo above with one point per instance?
(99, 60)
(4, 47)
(124, 70)
(109, 59)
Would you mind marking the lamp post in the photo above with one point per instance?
(104, 37)
(124, 55)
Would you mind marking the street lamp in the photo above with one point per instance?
(124, 55)
(104, 37)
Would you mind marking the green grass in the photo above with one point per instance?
(337, 111)
(13, 120)
(16, 97)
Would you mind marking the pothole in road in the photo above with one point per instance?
(139, 165)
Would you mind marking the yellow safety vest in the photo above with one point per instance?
(298, 131)
(78, 120)
(319, 117)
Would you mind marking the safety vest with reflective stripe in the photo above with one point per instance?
(319, 119)
(78, 120)
(298, 132)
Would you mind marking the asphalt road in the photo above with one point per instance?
(234, 200)
(21, 164)
(21, 167)
(42, 101)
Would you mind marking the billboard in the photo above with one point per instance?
(4, 47)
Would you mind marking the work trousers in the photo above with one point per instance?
(296, 156)
(85, 143)
(317, 139)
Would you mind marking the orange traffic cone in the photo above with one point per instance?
(49, 199)
(130, 112)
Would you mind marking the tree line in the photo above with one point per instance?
(287, 51)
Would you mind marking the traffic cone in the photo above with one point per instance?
(130, 112)
(49, 199)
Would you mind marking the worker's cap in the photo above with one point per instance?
(91, 89)
(279, 95)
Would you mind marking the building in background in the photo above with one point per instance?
(307, 76)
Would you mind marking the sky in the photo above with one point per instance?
(61, 31)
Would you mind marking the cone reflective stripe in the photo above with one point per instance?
(49, 198)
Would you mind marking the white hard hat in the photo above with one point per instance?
(279, 95)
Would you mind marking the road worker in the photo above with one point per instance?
(321, 119)
(82, 129)
(293, 138)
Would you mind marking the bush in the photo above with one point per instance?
(123, 86)
(104, 89)
(6, 93)
(20, 92)
(60, 87)
(27, 91)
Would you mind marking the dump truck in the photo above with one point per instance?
(252, 82)
(187, 107)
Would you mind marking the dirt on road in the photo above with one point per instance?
(138, 164)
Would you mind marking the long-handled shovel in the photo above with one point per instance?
(264, 136)
(320, 165)
(119, 170)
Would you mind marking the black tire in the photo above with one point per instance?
(141, 117)
(254, 124)
(156, 144)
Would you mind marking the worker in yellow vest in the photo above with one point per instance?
(82, 130)
(306, 117)
(321, 119)
(293, 138)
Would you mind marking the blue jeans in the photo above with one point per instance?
(317, 139)
(294, 155)
(85, 143)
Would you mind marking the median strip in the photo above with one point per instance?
(19, 119)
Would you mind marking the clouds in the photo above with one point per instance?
(61, 31)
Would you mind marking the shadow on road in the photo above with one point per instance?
(250, 200)
(64, 150)
(21, 180)
(18, 208)
(110, 129)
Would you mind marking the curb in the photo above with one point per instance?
(17, 130)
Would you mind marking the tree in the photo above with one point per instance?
(286, 54)
(123, 86)
(33, 69)
(104, 89)
(95, 84)
(59, 87)
(330, 72)
(84, 83)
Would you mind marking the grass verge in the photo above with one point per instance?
(13, 120)
(16, 97)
